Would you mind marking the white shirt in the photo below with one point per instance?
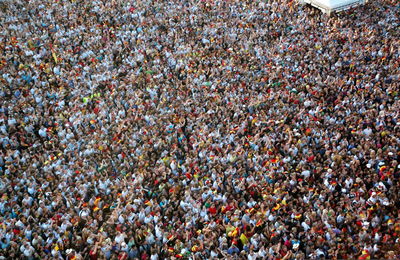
(305, 226)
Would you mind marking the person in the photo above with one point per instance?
(198, 129)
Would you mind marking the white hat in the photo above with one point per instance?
(69, 251)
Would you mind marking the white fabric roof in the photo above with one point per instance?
(332, 4)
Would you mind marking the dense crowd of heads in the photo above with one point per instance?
(198, 129)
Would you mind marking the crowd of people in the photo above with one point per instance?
(149, 129)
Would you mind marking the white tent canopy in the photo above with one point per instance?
(329, 6)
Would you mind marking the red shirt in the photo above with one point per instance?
(93, 254)
(212, 210)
